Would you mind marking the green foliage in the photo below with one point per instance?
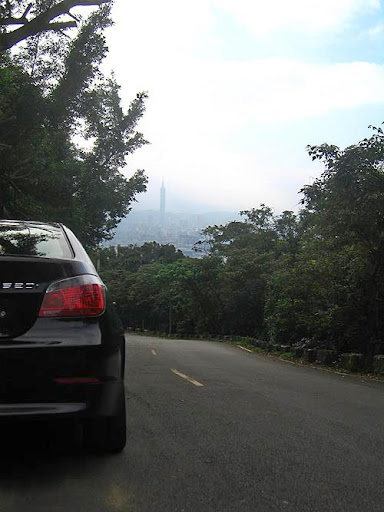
(44, 103)
(134, 276)
(309, 280)
(249, 251)
(332, 292)
(315, 297)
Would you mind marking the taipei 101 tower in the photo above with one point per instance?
(162, 201)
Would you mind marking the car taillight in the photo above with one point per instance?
(77, 296)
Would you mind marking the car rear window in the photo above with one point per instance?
(33, 240)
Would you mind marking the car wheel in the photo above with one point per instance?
(106, 435)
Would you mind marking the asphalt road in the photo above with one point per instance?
(212, 428)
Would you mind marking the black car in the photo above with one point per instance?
(62, 347)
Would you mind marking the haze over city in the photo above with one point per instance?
(238, 89)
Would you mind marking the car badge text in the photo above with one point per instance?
(18, 286)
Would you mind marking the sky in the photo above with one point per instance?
(238, 89)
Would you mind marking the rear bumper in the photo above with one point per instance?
(104, 400)
(57, 382)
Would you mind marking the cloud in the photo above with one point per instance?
(189, 126)
(161, 28)
(207, 118)
(376, 31)
(306, 16)
(154, 45)
(216, 97)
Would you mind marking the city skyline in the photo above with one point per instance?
(162, 199)
(182, 230)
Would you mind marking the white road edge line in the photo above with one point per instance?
(243, 348)
(189, 379)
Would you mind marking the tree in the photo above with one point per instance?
(45, 15)
(346, 209)
(130, 258)
(44, 102)
(331, 292)
(136, 278)
(315, 298)
(249, 252)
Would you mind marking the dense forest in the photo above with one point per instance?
(314, 277)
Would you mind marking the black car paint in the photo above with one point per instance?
(36, 354)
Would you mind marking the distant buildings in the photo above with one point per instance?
(182, 230)
(162, 201)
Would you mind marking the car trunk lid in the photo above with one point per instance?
(23, 282)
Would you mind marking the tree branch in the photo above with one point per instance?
(22, 20)
(42, 22)
(13, 21)
(61, 25)
(29, 7)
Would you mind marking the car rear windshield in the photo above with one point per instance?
(34, 240)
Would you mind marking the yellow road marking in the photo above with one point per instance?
(153, 352)
(189, 379)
